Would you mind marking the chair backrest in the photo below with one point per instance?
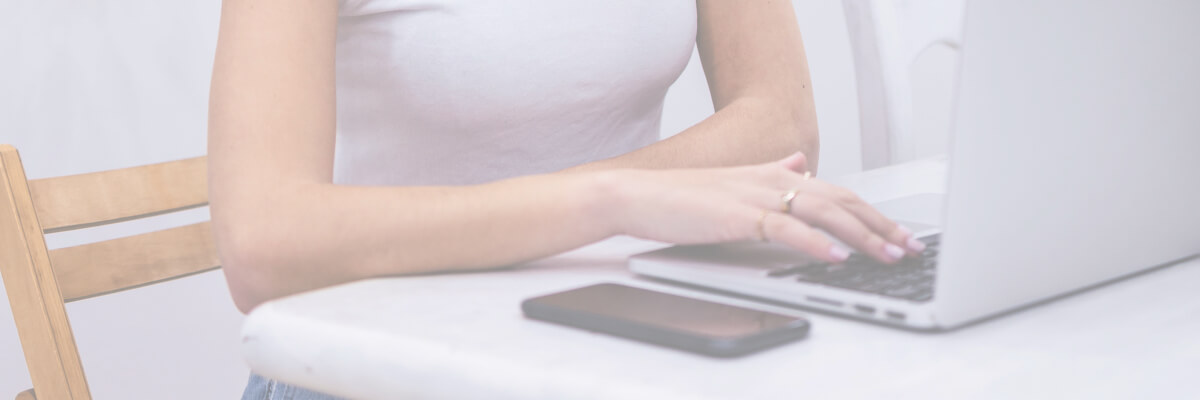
(40, 281)
(886, 37)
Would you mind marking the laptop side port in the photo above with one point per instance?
(823, 300)
(864, 309)
(895, 315)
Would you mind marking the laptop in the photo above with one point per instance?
(1075, 161)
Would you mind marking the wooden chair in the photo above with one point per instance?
(40, 281)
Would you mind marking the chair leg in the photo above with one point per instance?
(26, 395)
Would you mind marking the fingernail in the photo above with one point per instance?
(839, 253)
(915, 245)
(894, 251)
(904, 230)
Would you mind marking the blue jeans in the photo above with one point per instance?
(260, 388)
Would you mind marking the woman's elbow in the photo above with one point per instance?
(800, 131)
(251, 270)
(809, 142)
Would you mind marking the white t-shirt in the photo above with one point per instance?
(442, 92)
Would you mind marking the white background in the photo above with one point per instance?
(87, 86)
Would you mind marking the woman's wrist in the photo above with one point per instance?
(606, 199)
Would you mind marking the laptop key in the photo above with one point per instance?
(874, 287)
(903, 291)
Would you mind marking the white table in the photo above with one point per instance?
(463, 336)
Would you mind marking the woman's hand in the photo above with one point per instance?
(693, 206)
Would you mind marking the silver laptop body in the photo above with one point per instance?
(1075, 161)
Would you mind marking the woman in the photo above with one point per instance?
(470, 134)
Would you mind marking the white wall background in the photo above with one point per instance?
(95, 85)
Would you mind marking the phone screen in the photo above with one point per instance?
(662, 310)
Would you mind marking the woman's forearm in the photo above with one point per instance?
(299, 236)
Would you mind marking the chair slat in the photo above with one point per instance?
(79, 201)
(124, 263)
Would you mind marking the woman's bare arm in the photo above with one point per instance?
(758, 75)
(275, 208)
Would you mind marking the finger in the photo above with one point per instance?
(865, 212)
(835, 219)
(785, 229)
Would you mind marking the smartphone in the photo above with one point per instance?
(699, 326)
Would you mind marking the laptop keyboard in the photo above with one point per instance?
(910, 279)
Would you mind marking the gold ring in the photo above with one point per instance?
(786, 208)
(762, 227)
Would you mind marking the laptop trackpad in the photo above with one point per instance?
(918, 212)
